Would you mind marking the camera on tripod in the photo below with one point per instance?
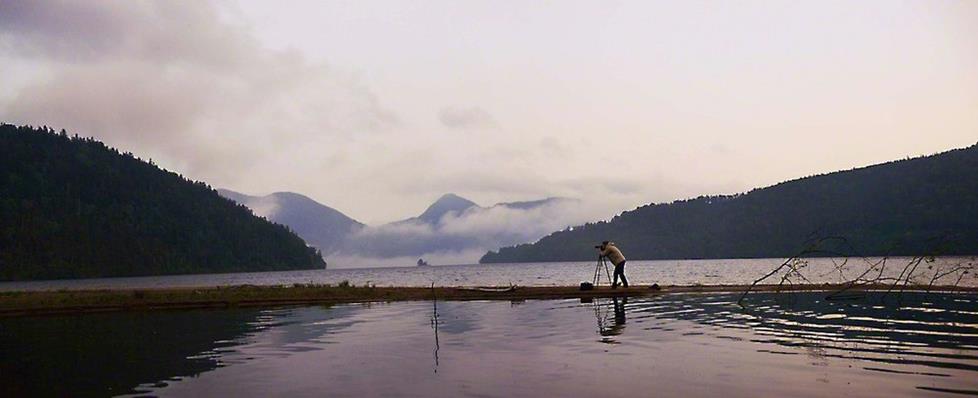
(596, 279)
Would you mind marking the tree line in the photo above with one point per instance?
(906, 207)
(73, 207)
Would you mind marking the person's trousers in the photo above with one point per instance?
(620, 272)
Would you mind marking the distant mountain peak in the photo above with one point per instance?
(321, 226)
(448, 202)
(453, 198)
(291, 195)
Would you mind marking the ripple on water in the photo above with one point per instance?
(680, 344)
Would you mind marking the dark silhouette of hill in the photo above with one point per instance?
(905, 207)
(72, 208)
(321, 226)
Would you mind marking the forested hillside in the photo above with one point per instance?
(904, 207)
(72, 207)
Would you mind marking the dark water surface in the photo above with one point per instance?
(795, 344)
(663, 272)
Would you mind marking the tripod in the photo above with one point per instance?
(597, 271)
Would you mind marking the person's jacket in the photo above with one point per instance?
(613, 254)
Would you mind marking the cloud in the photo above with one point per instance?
(174, 81)
(64, 29)
(466, 118)
(502, 225)
(461, 238)
(606, 185)
(263, 206)
(150, 30)
(214, 92)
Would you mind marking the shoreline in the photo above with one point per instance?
(68, 302)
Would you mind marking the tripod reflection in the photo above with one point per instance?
(611, 321)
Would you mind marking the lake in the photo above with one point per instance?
(666, 272)
(699, 345)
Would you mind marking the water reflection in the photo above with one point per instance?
(123, 353)
(673, 345)
(610, 323)
(110, 354)
(920, 334)
(939, 331)
(434, 325)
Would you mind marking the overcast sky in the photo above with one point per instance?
(377, 108)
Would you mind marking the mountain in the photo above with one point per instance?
(447, 203)
(456, 230)
(73, 208)
(321, 226)
(452, 229)
(902, 207)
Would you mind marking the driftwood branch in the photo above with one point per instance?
(919, 271)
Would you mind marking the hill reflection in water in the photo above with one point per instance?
(795, 344)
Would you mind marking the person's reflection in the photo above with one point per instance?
(618, 326)
(620, 311)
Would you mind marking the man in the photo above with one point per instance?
(609, 251)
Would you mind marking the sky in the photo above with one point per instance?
(377, 108)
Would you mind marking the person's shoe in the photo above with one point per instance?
(614, 286)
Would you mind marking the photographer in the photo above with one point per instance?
(609, 251)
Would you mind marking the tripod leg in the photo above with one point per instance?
(606, 272)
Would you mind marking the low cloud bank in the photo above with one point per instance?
(460, 238)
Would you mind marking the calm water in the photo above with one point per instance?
(670, 272)
(794, 344)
